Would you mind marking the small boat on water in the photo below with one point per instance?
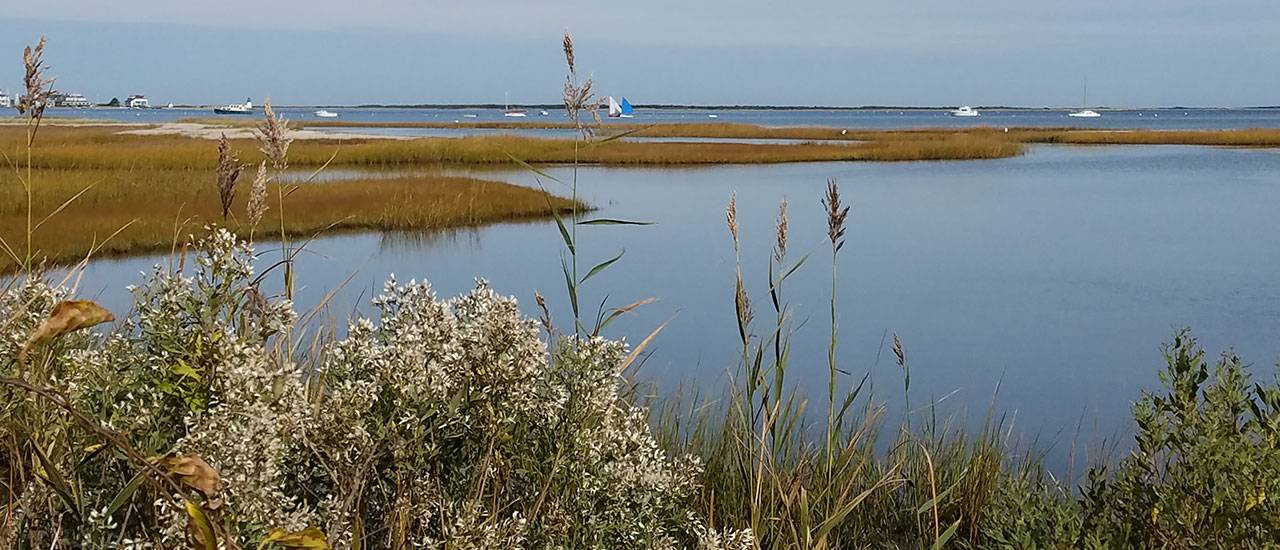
(615, 110)
(470, 115)
(544, 113)
(245, 108)
(5, 101)
(713, 116)
(513, 113)
(627, 110)
(965, 112)
(325, 114)
(1083, 112)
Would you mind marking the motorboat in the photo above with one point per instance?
(245, 108)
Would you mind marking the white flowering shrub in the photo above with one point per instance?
(435, 424)
(458, 428)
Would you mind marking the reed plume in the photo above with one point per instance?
(900, 355)
(780, 246)
(257, 205)
(741, 302)
(38, 87)
(836, 214)
(568, 54)
(731, 219)
(273, 134)
(228, 171)
(578, 96)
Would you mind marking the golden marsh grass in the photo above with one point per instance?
(154, 206)
(1253, 137)
(92, 147)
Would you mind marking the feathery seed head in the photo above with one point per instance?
(731, 217)
(780, 249)
(568, 53)
(742, 305)
(578, 97)
(228, 171)
(258, 196)
(836, 215)
(898, 352)
(273, 134)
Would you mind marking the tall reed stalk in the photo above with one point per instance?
(836, 215)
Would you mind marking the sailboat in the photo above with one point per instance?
(615, 110)
(627, 110)
(514, 113)
(1085, 113)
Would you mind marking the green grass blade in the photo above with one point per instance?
(602, 266)
(533, 169)
(611, 221)
(123, 496)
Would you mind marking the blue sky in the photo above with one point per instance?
(804, 52)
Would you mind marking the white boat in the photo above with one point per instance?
(965, 111)
(78, 101)
(713, 116)
(325, 114)
(1085, 113)
(245, 108)
(615, 110)
(5, 101)
(513, 113)
(544, 113)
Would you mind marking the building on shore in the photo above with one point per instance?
(77, 101)
(137, 101)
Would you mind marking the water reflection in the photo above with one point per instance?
(1053, 277)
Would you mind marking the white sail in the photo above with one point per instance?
(615, 110)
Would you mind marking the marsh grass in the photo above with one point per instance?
(1249, 137)
(103, 147)
(156, 206)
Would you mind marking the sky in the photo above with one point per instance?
(721, 52)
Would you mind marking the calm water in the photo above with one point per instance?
(1055, 276)
(885, 119)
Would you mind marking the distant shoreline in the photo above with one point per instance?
(694, 107)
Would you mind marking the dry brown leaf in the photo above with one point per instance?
(195, 472)
(68, 316)
(311, 538)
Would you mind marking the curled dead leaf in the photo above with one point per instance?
(67, 316)
(311, 538)
(194, 472)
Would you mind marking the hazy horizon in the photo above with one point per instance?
(931, 53)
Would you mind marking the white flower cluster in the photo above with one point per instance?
(435, 424)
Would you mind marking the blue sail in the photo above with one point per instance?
(626, 107)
